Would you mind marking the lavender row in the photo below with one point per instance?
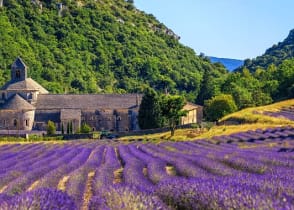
(69, 162)
(183, 166)
(34, 173)
(76, 184)
(104, 174)
(222, 193)
(133, 169)
(156, 167)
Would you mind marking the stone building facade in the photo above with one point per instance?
(26, 105)
(194, 114)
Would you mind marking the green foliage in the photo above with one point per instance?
(274, 72)
(149, 112)
(51, 128)
(219, 106)
(70, 128)
(160, 110)
(109, 47)
(246, 89)
(100, 46)
(62, 129)
(273, 56)
(85, 128)
(172, 110)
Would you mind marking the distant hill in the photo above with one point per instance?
(230, 64)
(274, 55)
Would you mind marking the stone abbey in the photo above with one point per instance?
(26, 105)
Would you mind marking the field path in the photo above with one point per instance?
(89, 191)
(62, 183)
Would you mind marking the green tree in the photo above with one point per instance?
(51, 128)
(67, 128)
(70, 128)
(172, 110)
(149, 112)
(85, 128)
(219, 106)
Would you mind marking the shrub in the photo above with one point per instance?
(85, 128)
(51, 129)
(219, 106)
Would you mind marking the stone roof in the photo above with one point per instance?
(17, 103)
(18, 63)
(88, 101)
(190, 106)
(27, 84)
(69, 114)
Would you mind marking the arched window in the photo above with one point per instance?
(15, 122)
(27, 122)
(3, 96)
(17, 74)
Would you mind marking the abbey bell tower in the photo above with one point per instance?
(18, 70)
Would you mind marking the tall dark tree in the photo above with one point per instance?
(149, 112)
(62, 129)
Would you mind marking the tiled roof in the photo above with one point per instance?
(27, 84)
(68, 114)
(190, 106)
(88, 101)
(17, 103)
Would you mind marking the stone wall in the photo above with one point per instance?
(16, 120)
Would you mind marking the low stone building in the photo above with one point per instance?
(194, 114)
(26, 105)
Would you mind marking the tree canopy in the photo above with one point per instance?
(150, 111)
(172, 110)
(102, 46)
(219, 106)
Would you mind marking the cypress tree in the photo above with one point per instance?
(70, 127)
(67, 128)
(62, 129)
(149, 112)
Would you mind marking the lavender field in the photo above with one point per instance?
(250, 170)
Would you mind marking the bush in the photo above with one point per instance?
(51, 129)
(85, 128)
(219, 106)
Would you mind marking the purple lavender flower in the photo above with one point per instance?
(42, 199)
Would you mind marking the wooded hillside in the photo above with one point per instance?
(97, 46)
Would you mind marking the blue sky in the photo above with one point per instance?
(225, 28)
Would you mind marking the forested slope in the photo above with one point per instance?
(97, 46)
(274, 55)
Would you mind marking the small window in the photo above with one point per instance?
(27, 123)
(3, 96)
(30, 96)
(17, 74)
(15, 122)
